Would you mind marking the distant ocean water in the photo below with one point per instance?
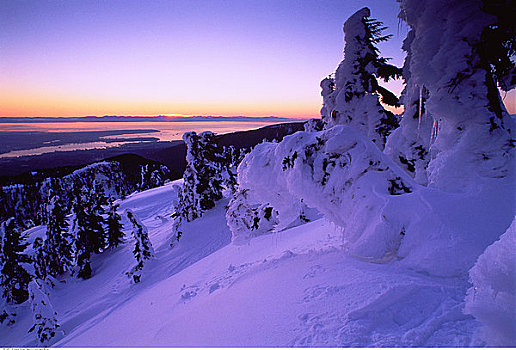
(151, 132)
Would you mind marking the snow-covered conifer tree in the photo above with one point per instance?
(202, 181)
(143, 250)
(88, 227)
(83, 246)
(57, 248)
(13, 276)
(114, 233)
(210, 169)
(209, 187)
(314, 125)
(207, 170)
(150, 177)
(353, 96)
(230, 159)
(448, 57)
(188, 205)
(98, 201)
(409, 145)
(40, 259)
(44, 316)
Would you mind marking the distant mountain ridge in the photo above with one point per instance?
(159, 118)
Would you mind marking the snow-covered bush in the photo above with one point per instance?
(353, 96)
(44, 316)
(492, 299)
(246, 219)
(262, 188)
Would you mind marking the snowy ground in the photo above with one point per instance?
(293, 288)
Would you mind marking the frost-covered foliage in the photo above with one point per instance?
(246, 220)
(143, 250)
(44, 316)
(14, 278)
(492, 299)
(450, 138)
(7, 315)
(472, 136)
(409, 144)
(498, 45)
(312, 125)
(353, 96)
(228, 164)
(40, 259)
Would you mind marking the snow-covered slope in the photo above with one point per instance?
(292, 288)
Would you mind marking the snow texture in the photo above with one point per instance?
(492, 299)
(292, 288)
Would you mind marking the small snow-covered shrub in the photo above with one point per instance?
(258, 173)
(492, 299)
(246, 219)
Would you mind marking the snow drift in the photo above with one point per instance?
(492, 299)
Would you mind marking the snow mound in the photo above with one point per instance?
(492, 299)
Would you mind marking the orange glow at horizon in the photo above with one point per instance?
(41, 105)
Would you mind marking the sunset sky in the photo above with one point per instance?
(195, 57)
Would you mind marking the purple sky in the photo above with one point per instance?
(241, 57)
